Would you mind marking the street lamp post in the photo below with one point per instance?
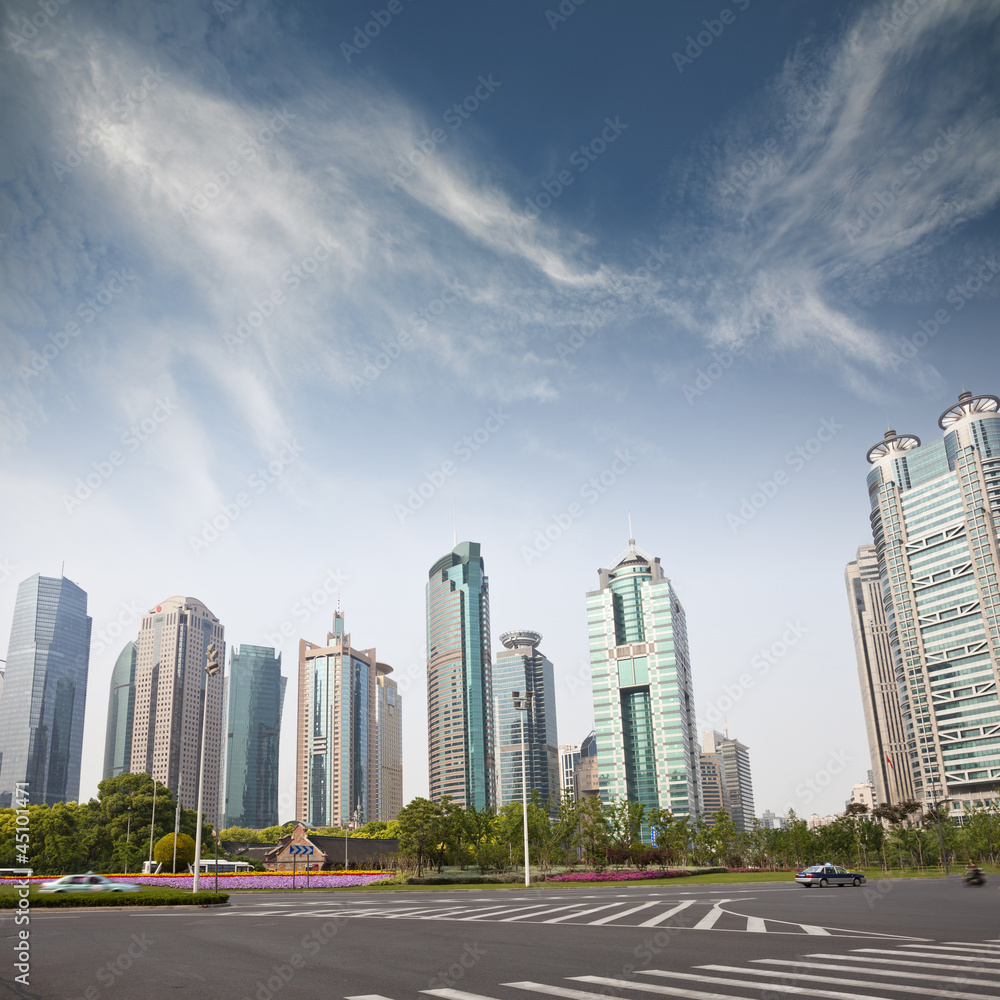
(128, 837)
(152, 820)
(211, 669)
(523, 704)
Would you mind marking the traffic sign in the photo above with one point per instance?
(300, 849)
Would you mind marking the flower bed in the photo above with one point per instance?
(240, 880)
(615, 876)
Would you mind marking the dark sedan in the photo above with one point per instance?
(824, 875)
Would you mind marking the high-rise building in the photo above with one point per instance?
(644, 713)
(713, 786)
(569, 755)
(254, 696)
(45, 690)
(336, 770)
(935, 511)
(389, 726)
(737, 785)
(172, 694)
(121, 707)
(877, 674)
(863, 794)
(459, 680)
(586, 781)
(525, 737)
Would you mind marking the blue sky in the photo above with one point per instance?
(525, 272)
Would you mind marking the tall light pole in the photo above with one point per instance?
(152, 820)
(523, 704)
(211, 669)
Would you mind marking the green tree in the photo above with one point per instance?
(242, 834)
(272, 834)
(421, 829)
(163, 851)
(625, 824)
(592, 833)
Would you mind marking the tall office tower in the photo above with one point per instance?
(121, 707)
(459, 680)
(254, 696)
(713, 785)
(643, 699)
(569, 756)
(45, 689)
(389, 726)
(877, 674)
(736, 781)
(336, 754)
(531, 734)
(172, 691)
(935, 516)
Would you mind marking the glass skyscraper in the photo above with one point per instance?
(389, 726)
(121, 706)
(459, 680)
(644, 712)
(254, 695)
(337, 749)
(935, 510)
(45, 691)
(521, 666)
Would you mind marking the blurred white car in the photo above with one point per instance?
(88, 883)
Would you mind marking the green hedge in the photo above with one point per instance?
(162, 898)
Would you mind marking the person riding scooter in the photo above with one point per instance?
(973, 874)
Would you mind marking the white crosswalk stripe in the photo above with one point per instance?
(870, 970)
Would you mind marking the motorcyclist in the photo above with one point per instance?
(973, 873)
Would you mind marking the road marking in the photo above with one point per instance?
(871, 970)
(930, 954)
(657, 920)
(900, 961)
(719, 981)
(755, 925)
(456, 995)
(549, 909)
(625, 913)
(710, 919)
(924, 991)
(817, 931)
(561, 991)
(496, 911)
(582, 913)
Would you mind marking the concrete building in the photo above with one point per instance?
(713, 785)
(586, 779)
(121, 707)
(336, 772)
(45, 691)
(877, 675)
(737, 783)
(460, 680)
(935, 510)
(389, 745)
(863, 794)
(254, 696)
(569, 755)
(770, 821)
(527, 737)
(643, 698)
(172, 691)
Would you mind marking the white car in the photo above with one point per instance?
(88, 883)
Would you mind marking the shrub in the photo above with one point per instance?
(163, 898)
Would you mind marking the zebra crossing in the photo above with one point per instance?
(861, 974)
(701, 914)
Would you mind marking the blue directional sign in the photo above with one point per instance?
(300, 849)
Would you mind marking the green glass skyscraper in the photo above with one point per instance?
(121, 708)
(935, 509)
(459, 680)
(647, 746)
(254, 695)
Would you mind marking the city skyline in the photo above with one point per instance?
(283, 322)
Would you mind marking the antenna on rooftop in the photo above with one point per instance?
(631, 539)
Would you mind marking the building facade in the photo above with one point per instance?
(569, 756)
(586, 780)
(45, 692)
(935, 510)
(459, 680)
(877, 674)
(172, 691)
(336, 752)
(737, 784)
(713, 786)
(121, 708)
(389, 726)
(525, 737)
(643, 698)
(254, 696)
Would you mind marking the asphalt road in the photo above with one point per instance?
(892, 939)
